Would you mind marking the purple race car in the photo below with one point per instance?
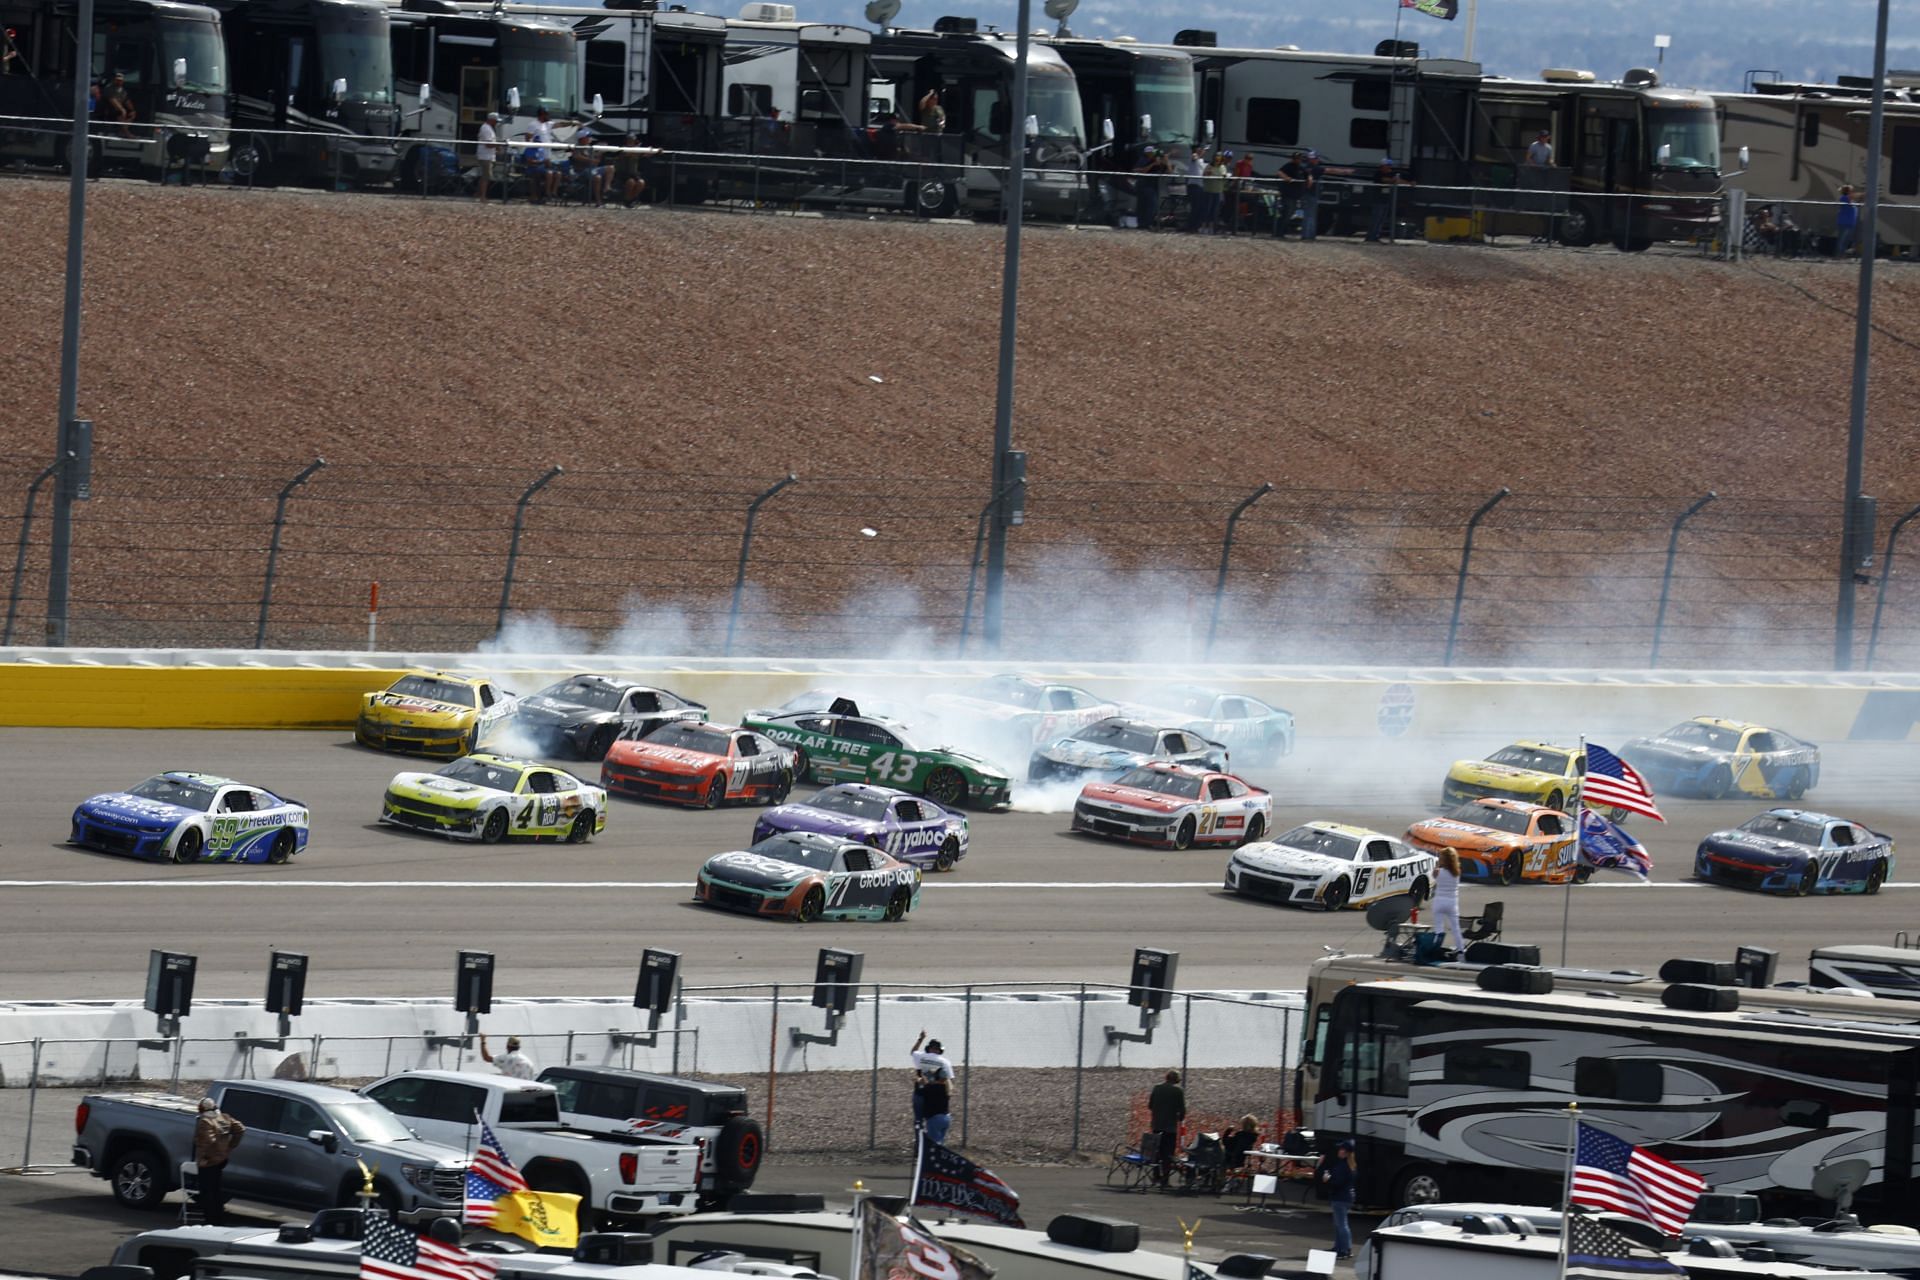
(912, 828)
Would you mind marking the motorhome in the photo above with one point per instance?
(312, 90)
(798, 114)
(1893, 972)
(173, 64)
(1805, 141)
(1132, 97)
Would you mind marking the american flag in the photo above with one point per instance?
(491, 1177)
(1596, 1251)
(389, 1251)
(1612, 781)
(950, 1181)
(1610, 1173)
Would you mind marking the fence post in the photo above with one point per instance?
(1879, 600)
(1186, 1034)
(1666, 578)
(1079, 1064)
(1226, 556)
(966, 1073)
(773, 1049)
(746, 545)
(513, 547)
(273, 547)
(33, 1098)
(873, 1078)
(973, 565)
(20, 556)
(1466, 556)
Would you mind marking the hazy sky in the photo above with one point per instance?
(1715, 42)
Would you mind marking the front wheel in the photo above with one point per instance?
(935, 199)
(781, 789)
(187, 847)
(496, 828)
(1183, 834)
(1577, 227)
(1510, 869)
(947, 786)
(1418, 1185)
(1718, 783)
(600, 743)
(1337, 894)
(1809, 877)
(716, 792)
(812, 905)
(582, 829)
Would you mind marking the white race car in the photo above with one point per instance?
(1006, 717)
(1174, 806)
(1330, 865)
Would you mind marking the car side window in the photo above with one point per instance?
(813, 724)
(1217, 789)
(455, 1103)
(1233, 709)
(745, 744)
(1549, 824)
(1235, 787)
(1060, 699)
(908, 810)
(1379, 851)
(1843, 836)
(237, 800)
(301, 1119)
(404, 1097)
(643, 700)
(486, 695)
(882, 737)
(541, 782)
(253, 1109)
(1761, 741)
(856, 860)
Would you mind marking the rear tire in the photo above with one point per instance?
(1555, 799)
(948, 855)
(1256, 827)
(582, 829)
(736, 1159)
(282, 849)
(187, 847)
(1877, 876)
(1577, 227)
(139, 1178)
(495, 829)
(898, 906)
(1417, 1185)
(801, 766)
(1796, 786)
(1421, 891)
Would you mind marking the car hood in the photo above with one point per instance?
(1279, 857)
(401, 709)
(1478, 770)
(804, 817)
(756, 870)
(442, 790)
(1758, 848)
(127, 807)
(1134, 797)
(1669, 750)
(1463, 835)
(668, 759)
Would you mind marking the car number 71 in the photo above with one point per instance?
(894, 768)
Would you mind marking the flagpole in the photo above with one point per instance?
(856, 1251)
(919, 1154)
(1579, 817)
(1473, 16)
(1566, 1198)
(1399, 8)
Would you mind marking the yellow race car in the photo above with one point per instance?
(430, 713)
(1536, 772)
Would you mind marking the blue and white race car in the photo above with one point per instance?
(1105, 749)
(914, 829)
(192, 817)
(1799, 852)
(1710, 757)
(1256, 734)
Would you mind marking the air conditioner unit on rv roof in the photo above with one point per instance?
(1566, 75)
(766, 13)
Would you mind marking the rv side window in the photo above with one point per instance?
(1810, 129)
(1905, 180)
(1803, 1114)
(1621, 1081)
(1370, 95)
(1317, 1038)
(1272, 122)
(1488, 1068)
(750, 100)
(1367, 135)
(606, 72)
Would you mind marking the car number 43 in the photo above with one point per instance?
(894, 768)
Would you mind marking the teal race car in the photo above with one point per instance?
(842, 745)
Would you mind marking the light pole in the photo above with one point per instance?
(1014, 197)
(1851, 534)
(69, 448)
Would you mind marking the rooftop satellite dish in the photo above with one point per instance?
(881, 12)
(1061, 10)
(1838, 1180)
(1390, 913)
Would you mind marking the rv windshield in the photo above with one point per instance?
(354, 46)
(1692, 136)
(1163, 89)
(541, 65)
(198, 44)
(1054, 98)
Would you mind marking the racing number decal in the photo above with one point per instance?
(894, 768)
(539, 811)
(1360, 878)
(738, 768)
(1208, 816)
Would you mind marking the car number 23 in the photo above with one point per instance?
(894, 768)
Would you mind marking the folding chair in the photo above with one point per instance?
(1132, 1167)
(1484, 927)
(1205, 1166)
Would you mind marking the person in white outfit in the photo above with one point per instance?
(1446, 897)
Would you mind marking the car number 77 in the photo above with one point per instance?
(894, 768)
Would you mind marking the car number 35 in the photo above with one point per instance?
(894, 768)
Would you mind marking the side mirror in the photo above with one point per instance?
(1033, 126)
(179, 73)
(325, 1139)
(513, 98)
(1207, 130)
(340, 89)
(1666, 153)
(426, 96)
(599, 106)
(1746, 158)
(1106, 130)
(1146, 127)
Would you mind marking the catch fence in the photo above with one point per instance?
(636, 562)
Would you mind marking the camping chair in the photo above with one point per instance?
(1484, 927)
(1132, 1167)
(1202, 1166)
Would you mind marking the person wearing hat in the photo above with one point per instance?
(1313, 172)
(1385, 177)
(486, 153)
(543, 180)
(1337, 1175)
(1540, 154)
(932, 1088)
(118, 103)
(215, 1134)
(511, 1063)
(1154, 168)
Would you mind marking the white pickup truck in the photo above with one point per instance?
(614, 1178)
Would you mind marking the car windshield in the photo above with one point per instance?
(500, 777)
(1491, 816)
(433, 690)
(368, 1122)
(682, 735)
(1776, 827)
(1185, 786)
(188, 795)
(586, 693)
(1538, 759)
(1695, 734)
(800, 852)
(1119, 735)
(1015, 693)
(1329, 844)
(854, 803)
(1691, 136)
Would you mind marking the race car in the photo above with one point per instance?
(1798, 852)
(430, 713)
(1713, 758)
(1504, 840)
(1008, 716)
(696, 763)
(841, 744)
(1533, 771)
(192, 817)
(488, 798)
(581, 716)
(1330, 865)
(824, 700)
(913, 830)
(805, 876)
(1108, 748)
(1253, 731)
(1175, 806)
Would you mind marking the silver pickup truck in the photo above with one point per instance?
(303, 1147)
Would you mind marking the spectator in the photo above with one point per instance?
(1764, 235)
(1241, 1141)
(118, 104)
(1243, 190)
(584, 169)
(1215, 182)
(933, 1088)
(1293, 184)
(1848, 223)
(511, 1063)
(1196, 170)
(486, 154)
(215, 1135)
(933, 116)
(1385, 178)
(542, 178)
(1166, 1109)
(626, 178)
(1446, 898)
(1540, 154)
(1151, 183)
(1314, 176)
(1337, 1174)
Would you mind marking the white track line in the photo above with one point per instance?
(271, 882)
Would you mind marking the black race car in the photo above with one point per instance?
(582, 716)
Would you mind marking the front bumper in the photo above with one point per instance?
(1122, 824)
(653, 784)
(1745, 873)
(417, 740)
(1272, 886)
(108, 836)
(753, 902)
(426, 815)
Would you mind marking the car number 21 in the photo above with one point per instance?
(894, 768)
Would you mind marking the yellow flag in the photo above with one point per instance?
(543, 1217)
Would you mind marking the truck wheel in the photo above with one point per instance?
(1418, 1184)
(1577, 229)
(139, 1178)
(737, 1153)
(550, 1175)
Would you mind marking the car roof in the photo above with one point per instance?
(508, 762)
(1517, 806)
(818, 838)
(868, 789)
(295, 1089)
(1344, 829)
(453, 676)
(1540, 746)
(1181, 770)
(204, 779)
(485, 1079)
(1721, 723)
(1130, 722)
(1809, 815)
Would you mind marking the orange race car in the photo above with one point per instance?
(700, 764)
(1504, 841)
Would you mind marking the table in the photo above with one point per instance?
(1268, 1171)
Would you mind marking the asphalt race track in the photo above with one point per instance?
(382, 912)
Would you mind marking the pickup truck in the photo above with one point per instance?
(614, 1177)
(654, 1108)
(303, 1147)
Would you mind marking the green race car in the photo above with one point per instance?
(841, 745)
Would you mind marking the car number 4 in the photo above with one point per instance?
(894, 768)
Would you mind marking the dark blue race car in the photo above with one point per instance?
(912, 828)
(1798, 852)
